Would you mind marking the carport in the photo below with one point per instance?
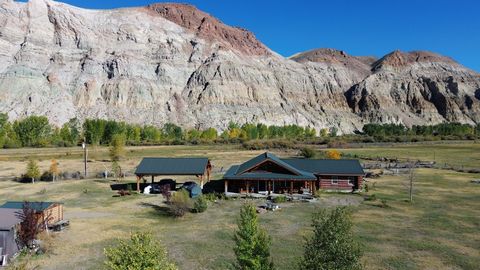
(161, 166)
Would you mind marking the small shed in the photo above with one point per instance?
(51, 210)
(161, 166)
(9, 223)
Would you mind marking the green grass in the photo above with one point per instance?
(452, 154)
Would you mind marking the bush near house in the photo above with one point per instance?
(180, 203)
(200, 205)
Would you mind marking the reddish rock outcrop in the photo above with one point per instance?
(208, 27)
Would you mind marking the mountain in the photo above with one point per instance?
(174, 63)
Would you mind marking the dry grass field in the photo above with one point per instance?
(440, 230)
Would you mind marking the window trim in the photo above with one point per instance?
(334, 180)
(351, 181)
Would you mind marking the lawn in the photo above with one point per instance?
(452, 154)
(438, 231)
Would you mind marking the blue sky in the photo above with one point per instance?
(375, 28)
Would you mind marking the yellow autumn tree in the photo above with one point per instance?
(333, 154)
(53, 169)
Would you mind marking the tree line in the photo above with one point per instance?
(36, 131)
(443, 129)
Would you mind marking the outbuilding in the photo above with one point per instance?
(162, 166)
(51, 212)
(9, 225)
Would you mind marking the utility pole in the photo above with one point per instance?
(84, 146)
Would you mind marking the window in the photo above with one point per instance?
(334, 180)
(351, 180)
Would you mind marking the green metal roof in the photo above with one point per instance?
(328, 166)
(172, 166)
(37, 206)
(302, 169)
(241, 171)
(263, 157)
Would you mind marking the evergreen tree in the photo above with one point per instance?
(332, 245)
(252, 243)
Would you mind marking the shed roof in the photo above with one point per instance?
(37, 206)
(328, 166)
(8, 218)
(172, 166)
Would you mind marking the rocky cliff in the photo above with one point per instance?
(175, 63)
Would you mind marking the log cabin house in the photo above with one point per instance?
(267, 174)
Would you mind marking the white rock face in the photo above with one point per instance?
(173, 63)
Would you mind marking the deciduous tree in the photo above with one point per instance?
(141, 251)
(33, 171)
(53, 169)
(332, 245)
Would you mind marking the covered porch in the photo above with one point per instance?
(270, 186)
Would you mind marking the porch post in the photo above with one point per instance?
(291, 187)
(269, 187)
(226, 187)
(153, 178)
(138, 184)
(248, 186)
(201, 181)
(313, 187)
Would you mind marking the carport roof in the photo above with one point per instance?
(172, 166)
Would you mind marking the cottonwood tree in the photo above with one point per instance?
(332, 245)
(117, 147)
(252, 248)
(141, 251)
(32, 170)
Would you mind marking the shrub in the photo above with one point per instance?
(200, 204)
(267, 144)
(124, 193)
(280, 199)
(372, 197)
(212, 197)
(307, 152)
(46, 176)
(333, 154)
(180, 203)
(384, 203)
(141, 251)
(165, 190)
